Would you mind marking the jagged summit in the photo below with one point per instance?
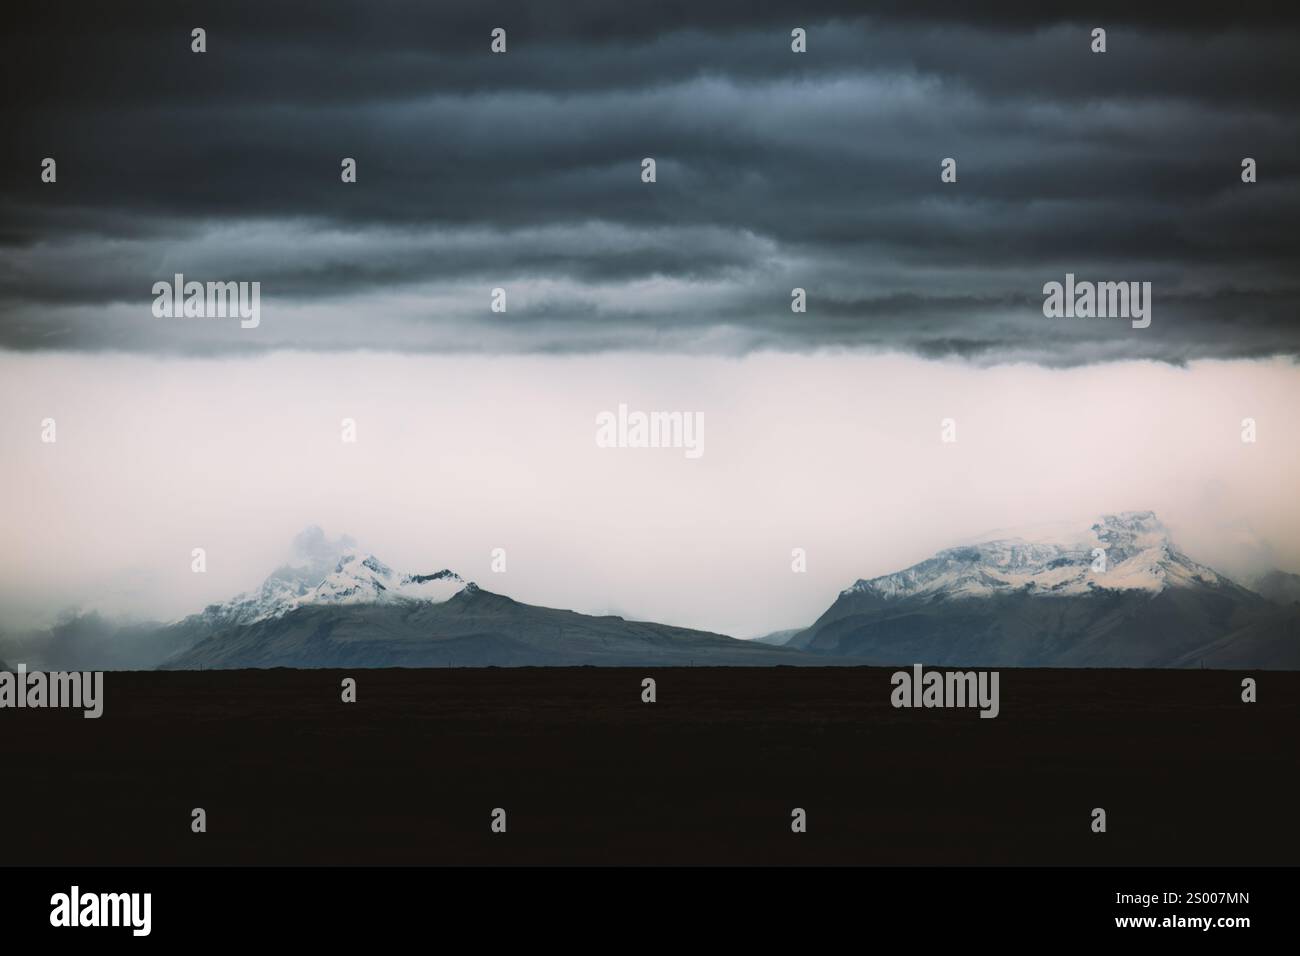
(331, 573)
(1051, 560)
(364, 580)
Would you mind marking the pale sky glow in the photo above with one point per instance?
(836, 453)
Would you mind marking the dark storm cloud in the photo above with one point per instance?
(775, 170)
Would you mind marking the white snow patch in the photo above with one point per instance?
(1051, 559)
(355, 578)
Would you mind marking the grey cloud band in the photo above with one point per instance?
(775, 170)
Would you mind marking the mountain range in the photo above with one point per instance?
(1114, 592)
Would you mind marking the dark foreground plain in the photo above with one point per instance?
(587, 773)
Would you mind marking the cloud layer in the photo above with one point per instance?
(775, 170)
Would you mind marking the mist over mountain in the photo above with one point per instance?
(1280, 587)
(93, 641)
(333, 573)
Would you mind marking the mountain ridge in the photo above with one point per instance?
(1114, 592)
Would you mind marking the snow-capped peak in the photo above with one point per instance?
(342, 576)
(367, 580)
(1052, 560)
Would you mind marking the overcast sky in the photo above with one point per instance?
(775, 170)
(522, 171)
